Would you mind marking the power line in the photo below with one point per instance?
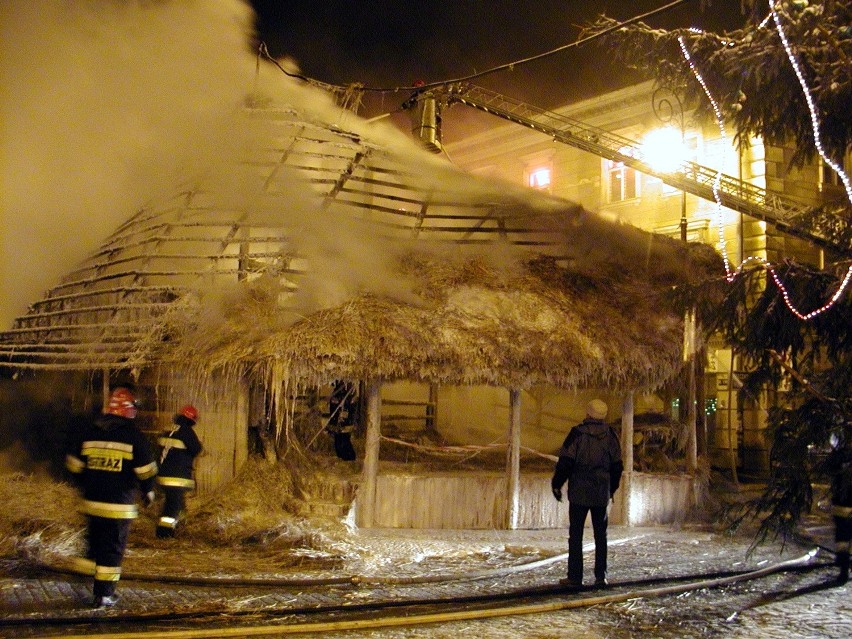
(262, 51)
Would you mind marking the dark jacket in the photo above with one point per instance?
(180, 446)
(590, 460)
(342, 407)
(112, 461)
(839, 464)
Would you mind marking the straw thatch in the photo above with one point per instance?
(540, 320)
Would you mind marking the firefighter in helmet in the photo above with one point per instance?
(113, 462)
(343, 415)
(180, 446)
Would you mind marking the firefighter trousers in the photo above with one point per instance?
(173, 505)
(107, 540)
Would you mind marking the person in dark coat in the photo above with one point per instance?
(343, 414)
(112, 461)
(840, 465)
(179, 448)
(590, 461)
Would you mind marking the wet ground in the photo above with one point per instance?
(403, 567)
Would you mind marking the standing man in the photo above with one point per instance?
(180, 447)
(590, 460)
(112, 461)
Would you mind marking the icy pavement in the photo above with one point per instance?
(789, 604)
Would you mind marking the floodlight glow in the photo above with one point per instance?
(663, 150)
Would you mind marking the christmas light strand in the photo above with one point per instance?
(717, 182)
(729, 275)
(822, 309)
(791, 56)
(818, 143)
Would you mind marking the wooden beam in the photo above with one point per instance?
(691, 327)
(513, 461)
(626, 455)
(367, 492)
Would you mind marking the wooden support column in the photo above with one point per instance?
(732, 435)
(691, 421)
(701, 445)
(690, 328)
(432, 409)
(513, 461)
(367, 492)
(105, 389)
(627, 456)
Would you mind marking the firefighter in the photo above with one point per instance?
(180, 446)
(112, 461)
(343, 415)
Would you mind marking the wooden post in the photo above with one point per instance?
(692, 424)
(105, 391)
(690, 328)
(432, 409)
(701, 404)
(627, 456)
(367, 493)
(732, 454)
(513, 461)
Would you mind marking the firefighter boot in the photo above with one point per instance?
(104, 601)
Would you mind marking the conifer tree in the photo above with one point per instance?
(752, 78)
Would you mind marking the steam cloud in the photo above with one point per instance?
(105, 105)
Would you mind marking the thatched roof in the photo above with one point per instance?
(544, 320)
(232, 271)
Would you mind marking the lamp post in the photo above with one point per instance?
(669, 110)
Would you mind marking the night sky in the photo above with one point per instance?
(394, 43)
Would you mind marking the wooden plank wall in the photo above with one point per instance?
(223, 430)
(222, 424)
(478, 501)
(660, 499)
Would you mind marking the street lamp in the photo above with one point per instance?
(669, 110)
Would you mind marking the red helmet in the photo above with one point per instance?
(190, 412)
(122, 402)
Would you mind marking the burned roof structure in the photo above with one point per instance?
(324, 250)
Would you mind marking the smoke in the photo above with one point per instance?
(109, 105)
(105, 104)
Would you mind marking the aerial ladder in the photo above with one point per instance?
(690, 177)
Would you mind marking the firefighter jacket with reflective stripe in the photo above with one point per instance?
(180, 447)
(112, 461)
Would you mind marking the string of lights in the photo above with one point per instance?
(815, 124)
(718, 179)
(791, 56)
(730, 275)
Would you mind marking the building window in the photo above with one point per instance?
(539, 178)
(621, 180)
